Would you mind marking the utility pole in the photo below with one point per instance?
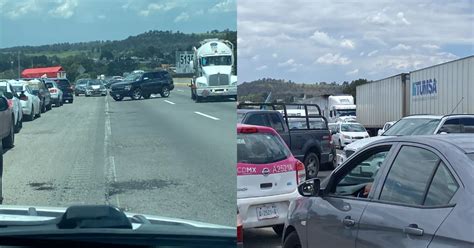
(19, 75)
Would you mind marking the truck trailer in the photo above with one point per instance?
(447, 88)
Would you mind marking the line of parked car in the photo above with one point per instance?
(412, 186)
(26, 99)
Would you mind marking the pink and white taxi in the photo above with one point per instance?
(267, 177)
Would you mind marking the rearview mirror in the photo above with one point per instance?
(310, 187)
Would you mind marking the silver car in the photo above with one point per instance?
(409, 191)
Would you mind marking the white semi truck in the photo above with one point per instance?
(335, 108)
(213, 63)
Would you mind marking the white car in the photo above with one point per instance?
(345, 133)
(416, 125)
(267, 177)
(30, 103)
(55, 91)
(14, 102)
(385, 127)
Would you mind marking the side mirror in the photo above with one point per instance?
(310, 187)
(8, 95)
(3, 104)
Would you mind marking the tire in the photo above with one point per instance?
(43, 108)
(71, 101)
(147, 96)
(39, 114)
(198, 98)
(137, 94)
(58, 103)
(193, 96)
(311, 164)
(17, 126)
(76, 94)
(165, 91)
(87, 95)
(31, 116)
(49, 107)
(340, 144)
(278, 229)
(10, 139)
(292, 241)
(118, 98)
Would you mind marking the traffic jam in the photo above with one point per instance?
(398, 163)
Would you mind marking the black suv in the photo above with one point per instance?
(138, 85)
(66, 87)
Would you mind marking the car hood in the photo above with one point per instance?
(21, 213)
(354, 146)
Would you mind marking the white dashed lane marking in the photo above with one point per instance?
(208, 116)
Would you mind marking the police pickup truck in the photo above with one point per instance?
(302, 127)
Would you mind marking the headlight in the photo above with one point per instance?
(127, 87)
(202, 84)
(346, 136)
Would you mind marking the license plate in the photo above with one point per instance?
(267, 212)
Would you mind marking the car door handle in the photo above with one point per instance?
(413, 229)
(348, 221)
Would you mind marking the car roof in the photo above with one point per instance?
(464, 142)
(261, 129)
(243, 111)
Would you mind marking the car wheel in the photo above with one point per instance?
(10, 139)
(193, 96)
(43, 108)
(311, 163)
(71, 101)
(340, 144)
(292, 241)
(165, 92)
(39, 114)
(198, 98)
(137, 94)
(31, 116)
(17, 127)
(278, 229)
(49, 107)
(76, 94)
(146, 96)
(118, 98)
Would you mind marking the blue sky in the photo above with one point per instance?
(38, 22)
(310, 41)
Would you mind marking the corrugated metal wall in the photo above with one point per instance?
(455, 81)
(380, 101)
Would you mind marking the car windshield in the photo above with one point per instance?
(260, 148)
(94, 82)
(300, 123)
(63, 83)
(352, 128)
(471, 156)
(216, 60)
(133, 77)
(346, 112)
(49, 84)
(18, 88)
(413, 126)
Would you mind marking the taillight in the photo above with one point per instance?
(53, 90)
(240, 231)
(249, 130)
(300, 172)
(10, 103)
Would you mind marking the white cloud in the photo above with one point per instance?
(164, 6)
(24, 8)
(322, 38)
(380, 18)
(256, 57)
(361, 53)
(182, 17)
(347, 44)
(292, 69)
(372, 53)
(101, 16)
(402, 18)
(401, 47)
(261, 68)
(65, 9)
(224, 6)
(333, 59)
(275, 55)
(353, 72)
(430, 46)
(289, 62)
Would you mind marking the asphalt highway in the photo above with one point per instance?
(162, 156)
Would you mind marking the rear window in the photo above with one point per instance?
(63, 83)
(260, 148)
(49, 85)
(352, 128)
(18, 88)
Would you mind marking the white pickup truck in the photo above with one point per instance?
(416, 125)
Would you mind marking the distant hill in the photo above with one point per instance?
(146, 51)
(258, 90)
